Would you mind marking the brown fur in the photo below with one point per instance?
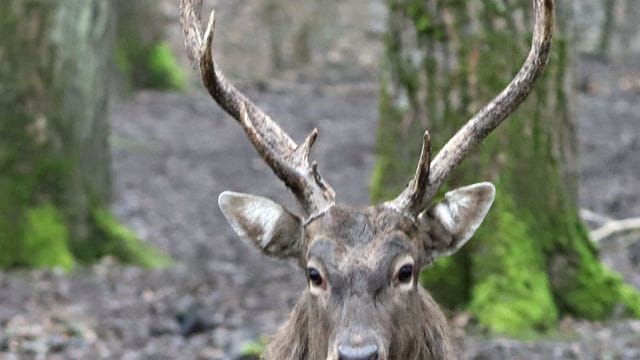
(411, 323)
(420, 334)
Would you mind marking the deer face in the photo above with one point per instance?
(362, 265)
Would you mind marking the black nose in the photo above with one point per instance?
(369, 352)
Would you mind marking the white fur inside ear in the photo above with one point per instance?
(265, 217)
(262, 222)
(461, 213)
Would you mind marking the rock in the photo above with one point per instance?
(57, 343)
(211, 354)
(164, 326)
(192, 321)
(247, 357)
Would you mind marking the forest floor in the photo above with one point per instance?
(174, 153)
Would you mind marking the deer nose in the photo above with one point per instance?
(368, 352)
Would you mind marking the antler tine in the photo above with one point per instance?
(411, 198)
(489, 117)
(288, 161)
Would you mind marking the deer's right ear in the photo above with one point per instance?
(265, 224)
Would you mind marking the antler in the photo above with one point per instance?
(288, 161)
(416, 197)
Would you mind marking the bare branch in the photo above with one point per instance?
(592, 217)
(615, 226)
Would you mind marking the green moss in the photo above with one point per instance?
(46, 186)
(254, 348)
(630, 297)
(377, 190)
(149, 66)
(116, 240)
(395, 158)
(511, 293)
(448, 281)
(37, 211)
(36, 237)
(45, 239)
(497, 7)
(588, 289)
(31, 185)
(164, 71)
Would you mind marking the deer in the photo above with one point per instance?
(363, 300)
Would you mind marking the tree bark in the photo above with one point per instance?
(143, 54)
(531, 261)
(608, 28)
(54, 153)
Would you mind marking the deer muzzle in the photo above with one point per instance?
(361, 334)
(366, 352)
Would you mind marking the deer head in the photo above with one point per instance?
(363, 299)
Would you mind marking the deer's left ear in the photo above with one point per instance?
(454, 220)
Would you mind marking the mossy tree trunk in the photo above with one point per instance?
(54, 154)
(608, 28)
(531, 261)
(294, 28)
(142, 52)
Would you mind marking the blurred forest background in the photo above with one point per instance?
(112, 157)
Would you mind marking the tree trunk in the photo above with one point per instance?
(54, 154)
(143, 54)
(531, 261)
(608, 28)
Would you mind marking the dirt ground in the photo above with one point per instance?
(174, 153)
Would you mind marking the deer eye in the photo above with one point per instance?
(405, 274)
(314, 276)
